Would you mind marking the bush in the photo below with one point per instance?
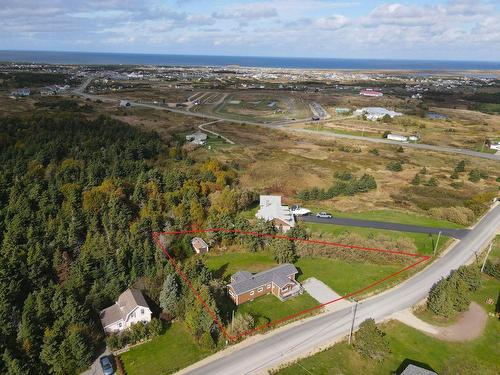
(416, 180)
(440, 301)
(375, 152)
(206, 341)
(351, 187)
(474, 175)
(431, 182)
(370, 341)
(395, 166)
(241, 324)
(492, 269)
(460, 167)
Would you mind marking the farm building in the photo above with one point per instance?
(376, 113)
(271, 210)
(342, 111)
(25, 91)
(279, 281)
(125, 103)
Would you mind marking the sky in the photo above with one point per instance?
(449, 30)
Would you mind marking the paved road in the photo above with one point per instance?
(420, 146)
(301, 339)
(284, 125)
(455, 233)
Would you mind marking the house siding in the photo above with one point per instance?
(245, 297)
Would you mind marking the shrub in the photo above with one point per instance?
(492, 269)
(474, 175)
(343, 175)
(241, 323)
(457, 185)
(416, 180)
(395, 166)
(370, 341)
(375, 152)
(460, 167)
(206, 341)
(431, 182)
(351, 187)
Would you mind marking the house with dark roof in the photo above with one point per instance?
(130, 308)
(279, 281)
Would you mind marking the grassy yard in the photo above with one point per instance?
(224, 265)
(408, 343)
(166, 354)
(423, 242)
(269, 308)
(343, 277)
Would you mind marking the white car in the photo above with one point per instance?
(299, 211)
(324, 215)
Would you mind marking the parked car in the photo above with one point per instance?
(106, 365)
(324, 215)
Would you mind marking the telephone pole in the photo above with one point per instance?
(437, 241)
(354, 309)
(486, 257)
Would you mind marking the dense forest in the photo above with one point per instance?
(79, 200)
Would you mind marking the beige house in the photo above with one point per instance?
(130, 308)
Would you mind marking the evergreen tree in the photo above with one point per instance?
(370, 341)
(169, 296)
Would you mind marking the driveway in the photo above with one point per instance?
(96, 368)
(323, 294)
(454, 233)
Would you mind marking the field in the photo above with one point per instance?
(166, 354)
(409, 344)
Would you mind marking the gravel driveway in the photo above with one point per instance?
(323, 294)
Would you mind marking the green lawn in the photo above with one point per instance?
(423, 242)
(166, 354)
(408, 343)
(343, 277)
(269, 308)
(224, 265)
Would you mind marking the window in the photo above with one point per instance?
(268, 286)
(132, 315)
(251, 293)
(142, 311)
(260, 289)
(120, 325)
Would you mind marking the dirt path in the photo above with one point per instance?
(469, 326)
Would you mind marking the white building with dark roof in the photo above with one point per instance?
(130, 308)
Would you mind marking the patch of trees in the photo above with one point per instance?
(370, 341)
(33, 78)
(453, 294)
(79, 200)
(352, 186)
(485, 97)
(137, 333)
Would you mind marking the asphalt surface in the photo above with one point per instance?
(301, 339)
(455, 233)
(284, 125)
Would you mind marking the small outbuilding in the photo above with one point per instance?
(199, 245)
(125, 104)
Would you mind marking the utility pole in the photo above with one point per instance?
(354, 309)
(232, 322)
(436, 245)
(486, 257)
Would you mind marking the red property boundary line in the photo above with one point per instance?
(156, 237)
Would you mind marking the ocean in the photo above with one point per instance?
(97, 58)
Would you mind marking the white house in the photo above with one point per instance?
(130, 308)
(272, 210)
(375, 113)
(198, 138)
(402, 138)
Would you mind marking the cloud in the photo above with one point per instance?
(247, 12)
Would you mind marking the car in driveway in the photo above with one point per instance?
(106, 365)
(324, 215)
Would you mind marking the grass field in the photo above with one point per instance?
(269, 308)
(424, 242)
(408, 343)
(166, 354)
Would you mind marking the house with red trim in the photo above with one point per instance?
(279, 281)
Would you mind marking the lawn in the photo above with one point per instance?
(343, 277)
(408, 343)
(224, 265)
(166, 354)
(269, 308)
(423, 242)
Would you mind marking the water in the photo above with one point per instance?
(89, 58)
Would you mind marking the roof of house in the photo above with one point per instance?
(412, 369)
(198, 243)
(271, 208)
(244, 281)
(127, 302)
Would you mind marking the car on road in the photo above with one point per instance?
(106, 365)
(324, 215)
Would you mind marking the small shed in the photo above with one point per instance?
(199, 245)
(125, 103)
